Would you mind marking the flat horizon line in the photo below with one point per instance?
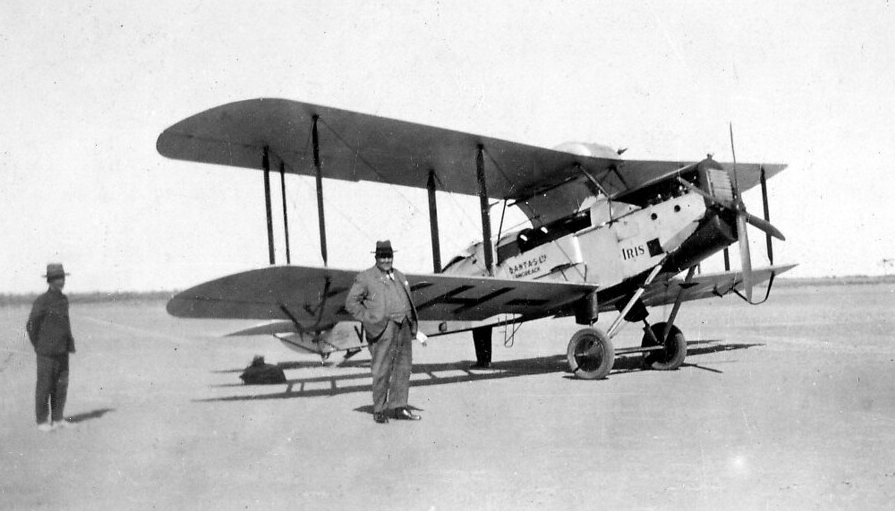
(115, 296)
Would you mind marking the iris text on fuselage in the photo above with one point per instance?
(631, 253)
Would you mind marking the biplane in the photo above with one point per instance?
(604, 234)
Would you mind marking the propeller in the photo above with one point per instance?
(745, 256)
(742, 236)
(743, 217)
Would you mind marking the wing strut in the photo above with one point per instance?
(486, 213)
(285, 214)
(433, 222)
(265, 163)
(767, 215)
(319, 175)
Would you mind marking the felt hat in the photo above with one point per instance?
(384, 249)
(55, 271)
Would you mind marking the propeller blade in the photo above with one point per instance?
(765, 226)
(745, 256)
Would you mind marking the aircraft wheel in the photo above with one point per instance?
(675, 349)
(590, 354)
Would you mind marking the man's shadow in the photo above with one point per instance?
(86, 416)
(368, 409)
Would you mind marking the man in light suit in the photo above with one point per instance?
(381, 300)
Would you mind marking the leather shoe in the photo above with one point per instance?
(405, 414)
(380, 418)
(481, 365)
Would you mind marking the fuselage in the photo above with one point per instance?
(607, 244)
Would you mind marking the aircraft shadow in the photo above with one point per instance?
(714, 346)
(454, 372)
(632, 363)
(86, 416)
(302, 364)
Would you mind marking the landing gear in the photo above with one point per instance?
(590, 354)
(674, 352)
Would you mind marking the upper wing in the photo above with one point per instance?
(315, 297)
(355, 146)
(705, 286)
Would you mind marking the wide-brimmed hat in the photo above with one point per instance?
(384, 249)
(55, 271)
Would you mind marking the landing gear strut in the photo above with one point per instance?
(481, 337)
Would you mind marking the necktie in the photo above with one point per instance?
(391, 276)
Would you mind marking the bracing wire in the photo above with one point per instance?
(502, 173)
(306, 188)
(369, 165)
(415, 210)
(472, 223)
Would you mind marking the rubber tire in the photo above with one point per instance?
(675, 349)
(590, 354)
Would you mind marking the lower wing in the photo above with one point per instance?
(706, 285)
(314, 298)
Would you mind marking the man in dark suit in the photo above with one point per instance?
(49, 330)
(381, 300)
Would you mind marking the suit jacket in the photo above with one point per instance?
(49, 328)
(366, 301)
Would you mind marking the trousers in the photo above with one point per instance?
(392, 362)
(52, 387)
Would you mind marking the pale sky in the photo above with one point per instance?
(88, 86)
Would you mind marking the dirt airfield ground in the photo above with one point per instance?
(790, 405)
